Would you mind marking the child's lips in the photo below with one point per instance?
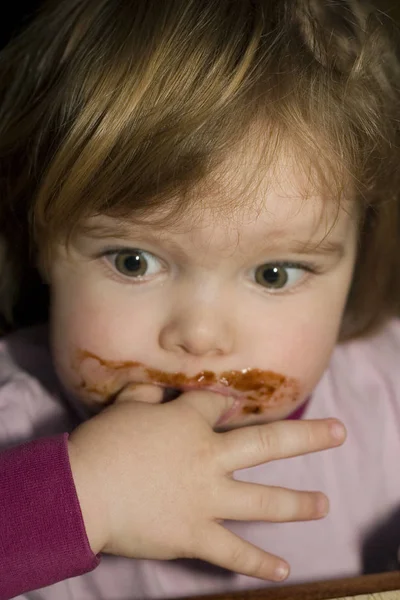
(254, 391)
(242, 405)
(174, 392)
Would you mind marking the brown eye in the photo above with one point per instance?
(276, 277)
(131, 263)
(134, 263)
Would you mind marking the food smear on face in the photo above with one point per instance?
(102, 380)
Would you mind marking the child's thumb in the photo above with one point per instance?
(212, 406)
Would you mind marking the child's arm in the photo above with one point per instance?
(152, 481)
(42, 534)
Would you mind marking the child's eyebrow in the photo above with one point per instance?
(324, 247)
(102, 230)
(125, 233)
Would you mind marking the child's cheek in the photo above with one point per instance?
(100, 381)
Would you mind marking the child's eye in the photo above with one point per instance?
(278, 276)
(134, 263)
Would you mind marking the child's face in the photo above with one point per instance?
(245, 301)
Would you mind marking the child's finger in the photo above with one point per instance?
(229, 551)
(255, 445)
(210, 405)
(255, 502)
(139, 392)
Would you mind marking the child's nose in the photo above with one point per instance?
(199, 331)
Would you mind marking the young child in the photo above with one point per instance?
(210, 191)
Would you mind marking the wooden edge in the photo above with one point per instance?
(322, 590)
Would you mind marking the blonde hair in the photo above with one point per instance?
(113, 107)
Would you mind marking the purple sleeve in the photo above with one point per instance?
(42, 533)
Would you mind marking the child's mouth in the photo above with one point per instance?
(255, 391)
(170, 394)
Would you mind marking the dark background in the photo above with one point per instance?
(19, 11)
(16, 15)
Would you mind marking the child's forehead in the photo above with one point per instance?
(267, 174)
(249, 197)
(268, 216)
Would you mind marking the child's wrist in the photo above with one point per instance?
(88, 497)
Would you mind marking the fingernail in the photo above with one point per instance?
(322, 505)
(281, 572)
(338, 431)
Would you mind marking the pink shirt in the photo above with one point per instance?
(362, 532)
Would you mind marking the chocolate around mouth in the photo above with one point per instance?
(259, 390)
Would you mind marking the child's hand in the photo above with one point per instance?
(155, 481)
